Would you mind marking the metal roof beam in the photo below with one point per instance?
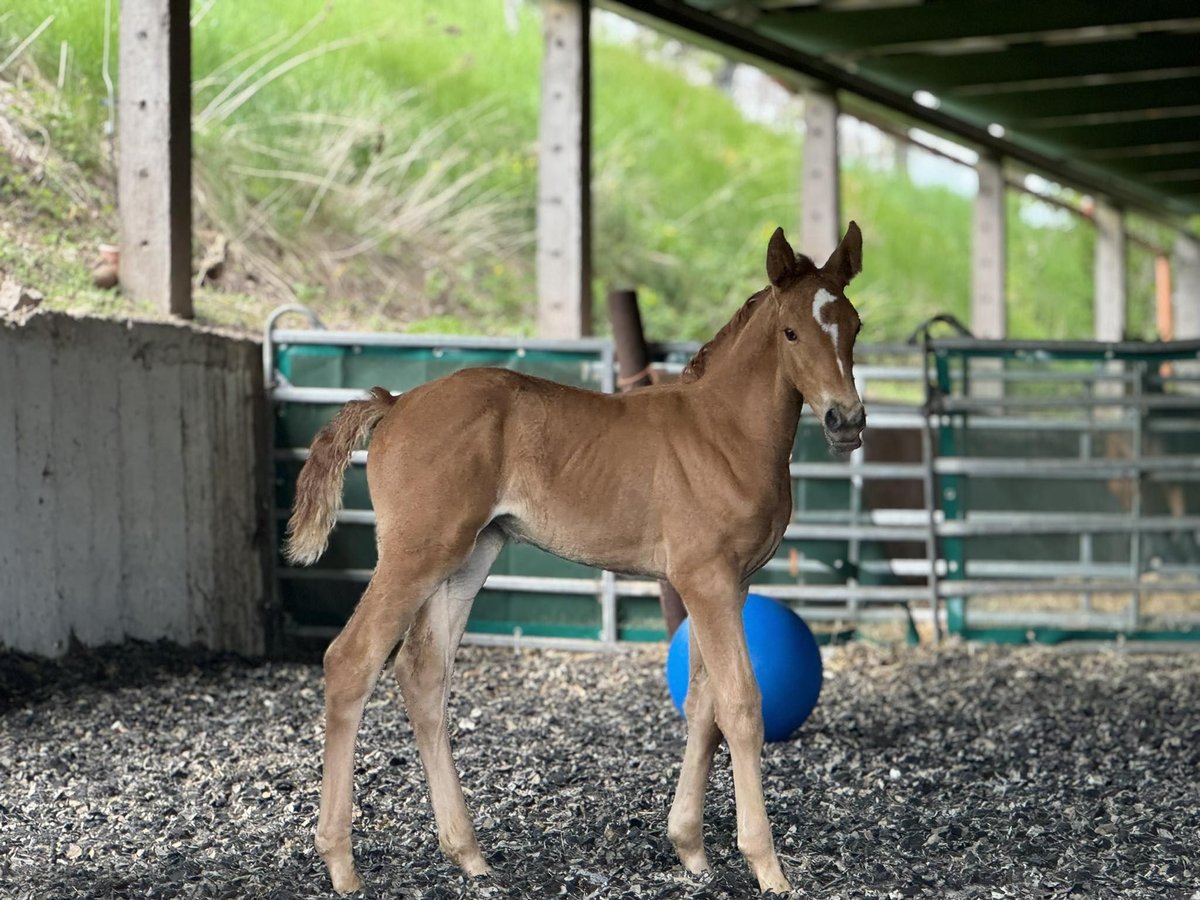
(1014, 107)
(1029, 86)
(1010, 22)
(1111, 117)
(1031, 67)
(1143, 151)
(1121, 134)
(992, 43)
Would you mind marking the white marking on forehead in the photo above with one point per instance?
(822, 299)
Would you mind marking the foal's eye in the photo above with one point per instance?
(789, 334)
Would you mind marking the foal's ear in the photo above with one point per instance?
(782, 262)
(846, 261)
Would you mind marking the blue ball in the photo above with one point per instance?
(785, 658)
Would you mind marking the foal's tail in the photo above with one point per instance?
(319, 487)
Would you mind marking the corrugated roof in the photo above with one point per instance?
(1102, 94)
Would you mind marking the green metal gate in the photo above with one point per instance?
(1067, 489)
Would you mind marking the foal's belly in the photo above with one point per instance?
(593, 544)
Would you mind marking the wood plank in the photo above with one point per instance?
(564, 239)
(821, 204)
(154, 174)
(988, 261)
(1186, 294)
(1111, 277)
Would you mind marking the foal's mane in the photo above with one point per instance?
(695, 367)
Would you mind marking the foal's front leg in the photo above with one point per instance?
(714, 603)
(685, 824)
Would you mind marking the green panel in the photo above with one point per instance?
(541, 615)
(404, 368)
(319, 602)
(354, 494)
(329, 602)
(640, 619)
(819, 501)
(1060, 635)
(297, 423)
(350, 547)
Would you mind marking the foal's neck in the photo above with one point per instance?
(745, 381)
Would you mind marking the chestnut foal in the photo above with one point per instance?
(686, 481)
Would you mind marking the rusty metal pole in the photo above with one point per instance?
(633, 371)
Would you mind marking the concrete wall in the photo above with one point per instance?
(132, 495)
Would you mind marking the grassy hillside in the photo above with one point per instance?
(377, 161)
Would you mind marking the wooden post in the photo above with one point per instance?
(1186, 303)
(989, 296)
(1110, 290)
(154, 175)
(629, 340)
(564, 240)
(1186, 294)
(821, 204)
(988, 287)
(1164, 313)
(633, 364)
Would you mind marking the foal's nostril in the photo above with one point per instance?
(837, 420)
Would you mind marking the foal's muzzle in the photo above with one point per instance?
(843, 426)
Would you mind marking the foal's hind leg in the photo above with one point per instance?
(401, 584)
(685, 824)
(423, 669)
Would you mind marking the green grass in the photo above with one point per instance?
(686, 192)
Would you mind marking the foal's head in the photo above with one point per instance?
(817, 330)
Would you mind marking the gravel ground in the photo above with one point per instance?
(150, 771)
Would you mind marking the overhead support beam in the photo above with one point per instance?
(989, 304)
(992, 43)
(821, 203)
(154, 175)
(564, 208)
(1111, 276)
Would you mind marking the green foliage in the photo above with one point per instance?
(916, 253)
(411, 129)
(1049, 272)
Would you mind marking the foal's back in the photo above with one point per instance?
(573, 471)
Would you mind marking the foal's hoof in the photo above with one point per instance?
(475, 867)
(696, 863)
(482, 870)
(775, 885)
(345, 880)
